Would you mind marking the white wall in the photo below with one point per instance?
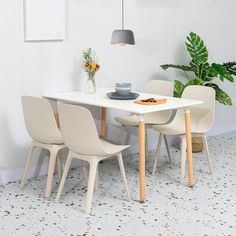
(160, 29)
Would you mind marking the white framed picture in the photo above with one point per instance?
(44, 20)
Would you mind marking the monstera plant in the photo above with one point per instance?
(202, 72)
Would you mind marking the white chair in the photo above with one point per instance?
(202, 117)
(42, 127)
(81, 137)
(159, 87)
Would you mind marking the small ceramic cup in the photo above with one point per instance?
(123, 89)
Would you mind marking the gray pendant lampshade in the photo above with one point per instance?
(122, 36)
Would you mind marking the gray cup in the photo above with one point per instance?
(123, 89)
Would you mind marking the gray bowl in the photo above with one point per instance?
(123, 89)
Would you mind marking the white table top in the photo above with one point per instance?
(100, 99)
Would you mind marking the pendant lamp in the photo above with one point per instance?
(122, 36)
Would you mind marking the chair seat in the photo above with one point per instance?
(175, 128)
(110, 148)
(128, 120)
(56, 141)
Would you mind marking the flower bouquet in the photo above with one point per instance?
(90, 66)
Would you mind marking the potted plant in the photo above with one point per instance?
(201, 72)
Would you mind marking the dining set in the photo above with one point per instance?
(73, 127)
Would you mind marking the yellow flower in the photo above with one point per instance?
(93, 65)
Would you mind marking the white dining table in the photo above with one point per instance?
(100, 99)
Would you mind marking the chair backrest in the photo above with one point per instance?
(159, 87)
(40, 121)
(79, 130)
(202, 116)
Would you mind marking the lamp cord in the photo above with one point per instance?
(122, 8)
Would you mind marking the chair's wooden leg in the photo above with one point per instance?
(189, 147)
(167, 148)
(91, 182)
(183, 157)
(103, 123)
(122, 170)
(157, 153)
(51, 169)
(27, 166)
(142, 158)
(208, 154)
(64, 175)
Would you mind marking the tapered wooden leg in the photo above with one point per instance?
(189, 147)
(103, 122)
(142, 158)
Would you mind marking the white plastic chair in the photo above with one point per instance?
(42, 127)
(202, 117)
(159, 87)
(81, 137)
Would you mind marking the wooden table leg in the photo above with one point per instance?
(189, 147)
(142, 158)
(103, 122)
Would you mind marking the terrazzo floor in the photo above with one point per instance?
(171, 208)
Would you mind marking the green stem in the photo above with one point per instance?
(186, 74)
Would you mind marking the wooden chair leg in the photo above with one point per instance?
(91, 181)
(122, 170)
(208, 154)
(183, 157)
(167, 148)
(157, 153)
(27, 166)
(51, 169)
(64, 175)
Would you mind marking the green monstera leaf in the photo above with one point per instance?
(231, 67)
(180, 67)
(194, 82)
(178, 88)
(201, 71)
(221, 72)
(197, 49)
(221, 96)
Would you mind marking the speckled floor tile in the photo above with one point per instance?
(170, 209)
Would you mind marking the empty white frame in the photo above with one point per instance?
(44, 20)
